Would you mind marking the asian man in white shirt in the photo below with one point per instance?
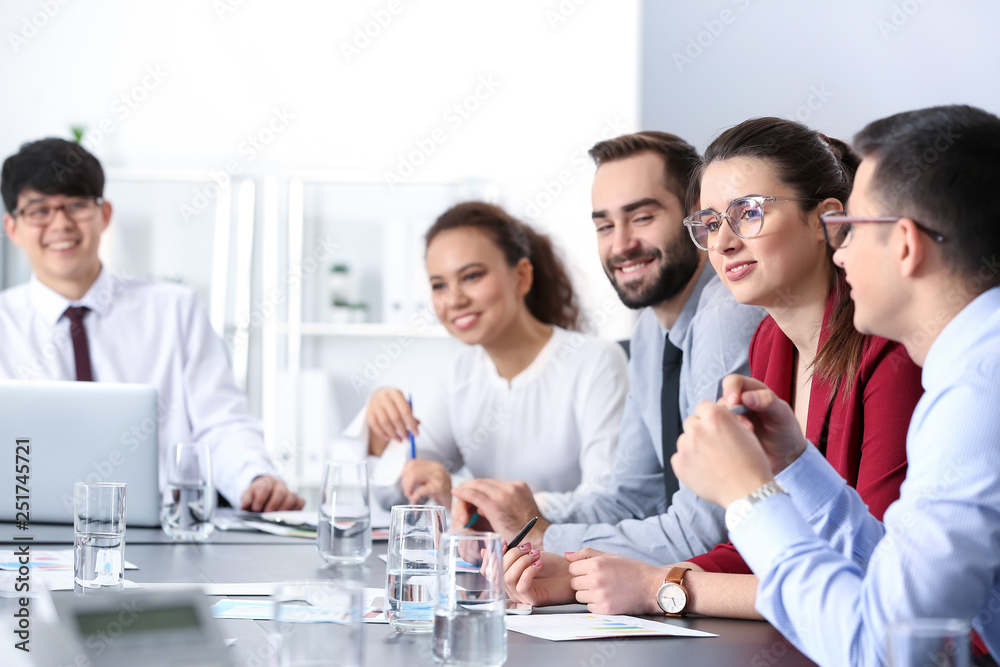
(77, 320)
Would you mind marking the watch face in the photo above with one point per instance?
(672, 598)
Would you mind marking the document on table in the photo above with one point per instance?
(53, 580)
(293, 523)
(263, 610)
(564, 627)
(43, 559)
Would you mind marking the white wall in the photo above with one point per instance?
(200, 77)
(832, 65)
(221, 71)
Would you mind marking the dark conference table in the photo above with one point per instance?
(238, 557)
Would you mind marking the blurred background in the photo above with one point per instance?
(285, 158)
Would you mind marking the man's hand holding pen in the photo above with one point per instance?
(504, 507)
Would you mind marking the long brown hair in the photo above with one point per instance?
(551, 299)
(816, 167)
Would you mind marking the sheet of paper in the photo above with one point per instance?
(564, 627)
(53, 580)
(293, 517)
(44, 559)
(263, 610)
(276, 529)
(240, 589)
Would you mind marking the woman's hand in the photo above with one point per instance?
(426, 479)
(537, 578)
(389, 418)
(610, 584)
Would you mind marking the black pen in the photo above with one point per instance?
(520, 536)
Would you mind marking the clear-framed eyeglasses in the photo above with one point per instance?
(744, 215)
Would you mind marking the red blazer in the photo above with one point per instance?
(869, 453)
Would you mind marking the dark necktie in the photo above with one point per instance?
(670, 412)
(81, 351)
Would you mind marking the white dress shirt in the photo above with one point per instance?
(554, 425)
(146, 333)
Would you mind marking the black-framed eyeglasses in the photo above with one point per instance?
(79, 210)
(838, 227)
(744, 215)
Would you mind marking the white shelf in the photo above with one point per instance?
(371, 329)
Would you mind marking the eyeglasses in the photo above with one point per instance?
(838, 227)
(77, 210)
(744, 215)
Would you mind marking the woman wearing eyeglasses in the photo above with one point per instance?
(764, 186)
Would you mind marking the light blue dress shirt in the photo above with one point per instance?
(630, 516)
(834, 579)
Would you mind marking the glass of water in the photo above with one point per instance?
(319, 623)
(344, 532)
(411, 564)
(99, 537)
(188, 504)
(938, 642)
(470, 624)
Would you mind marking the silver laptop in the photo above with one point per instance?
(66, 432)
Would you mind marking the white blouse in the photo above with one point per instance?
(554, 425)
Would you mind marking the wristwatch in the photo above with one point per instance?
(672, 596)
(739, 509)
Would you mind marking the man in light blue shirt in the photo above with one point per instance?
(919, 245)
(639, 196)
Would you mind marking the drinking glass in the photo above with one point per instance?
(930, 642)
(411, 563)
(99, 537)
(344, 531)
(188, 501)
(319, 623)
(470, 625)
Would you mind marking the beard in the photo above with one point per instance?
(673, 276)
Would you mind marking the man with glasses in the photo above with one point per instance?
(76, 320)
(690, 334)
(918, 243)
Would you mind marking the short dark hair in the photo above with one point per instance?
(680, 158)
(941, 167)
(52, 167)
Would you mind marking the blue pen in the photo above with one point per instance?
(413, 442)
